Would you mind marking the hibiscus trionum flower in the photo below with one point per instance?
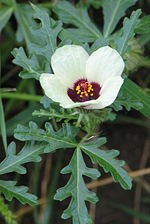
(80, 80)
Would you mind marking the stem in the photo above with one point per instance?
(3, 126)
(21, 96)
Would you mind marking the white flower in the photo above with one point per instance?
(80, 80)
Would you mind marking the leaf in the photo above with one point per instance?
(63, 138)
(45, 37)
(30, 65)
(7, 2)
(76, 189)
(106, 159)
(3, 126)
(23, 118)
(78, 17)
(58, 113)
(46, 102)
(14, 162)
(10, 191)
(131, 89)
(127, 101)
(129, 25)
(143, 25)
(5, 14)
(113, 11)
(40, 33)
(77, 36)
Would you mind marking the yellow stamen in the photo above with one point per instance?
(86, 94)
(91, 94)
(78, 88)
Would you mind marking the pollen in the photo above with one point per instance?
(84, 89)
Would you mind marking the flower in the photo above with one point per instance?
(80, 80)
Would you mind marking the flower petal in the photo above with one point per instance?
(68, 63)
(54, 89)
(108, 93)
(104, 64)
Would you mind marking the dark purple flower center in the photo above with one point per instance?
(84, 91)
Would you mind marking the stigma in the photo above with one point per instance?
(84, 91)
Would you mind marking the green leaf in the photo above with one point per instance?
(5, 14)
(3, 126)
(129, 25)
(10, 191)
(113, 11)
(106, 159)
(143, 26)
(77, 36)
(76, 189)
(40, 33)
(45, 37)
(23, 118)
(127, 101)
(63, 138)
(78, 17)
(30, 65)
(30, 153)
(7, 2)
(132, 90)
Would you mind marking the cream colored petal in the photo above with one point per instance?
(54, 89)
(108, 93)
(68, 63)
(104, 64)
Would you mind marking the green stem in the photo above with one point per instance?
(21, 96)
(3, 126)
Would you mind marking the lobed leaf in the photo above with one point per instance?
(30, 65)
(131, 89)
(40, 33)
(107, 160)
(78, 17)
(10, 191)
(143, 25)
(128, 33)
(113, 11)
(76, 189)
(63, 138)
(45, 36)
(14, 162)
(127, 101)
